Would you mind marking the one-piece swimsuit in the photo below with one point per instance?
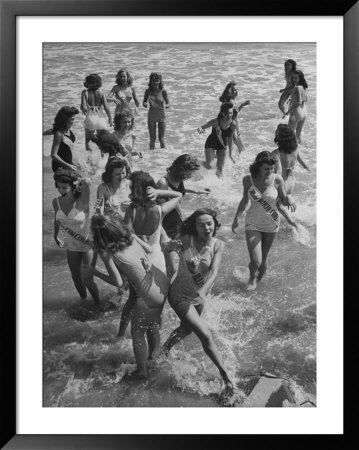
(183, 291)
(263, 217)
(95, 117)
(213, 141)
(64, 151)
(78, 222)
(172, 220)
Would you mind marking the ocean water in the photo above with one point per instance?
(272, 329)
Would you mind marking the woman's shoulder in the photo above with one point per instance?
(218, 244)
(162, 183)
(247, 180)
(55, 203)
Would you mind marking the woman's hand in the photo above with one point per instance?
(73, 167)
(151, 193)
(59, 242)
(200, 130)
(290, 204)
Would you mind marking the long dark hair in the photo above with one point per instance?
(108, 143)
(302, 80)
(225, 97)
(181, 164)
(61, 121)
(140, 182)
(188, 226)
(285, 138)
(293, 63)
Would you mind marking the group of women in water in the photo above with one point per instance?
(136, 226)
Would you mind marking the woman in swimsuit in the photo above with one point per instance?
(61, 150)
(72, 216)
(124, 134)
(92, 102)
(297, 110)
(286, 156)
(157, 98)
(198, 268)
(221, 138)
(228, 96)
(116, 188)
(261, 187)
(144, 218)
(290, 66)
(122, 93)
(180, 170)
(127, 254)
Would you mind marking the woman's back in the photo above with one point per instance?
(146, 219)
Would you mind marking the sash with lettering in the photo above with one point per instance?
(76, 235)
(255, 196)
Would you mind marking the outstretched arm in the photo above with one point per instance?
(211, 123)
(242, 105)
(169, 205)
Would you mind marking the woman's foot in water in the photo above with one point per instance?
(252, 284)
(139, 375)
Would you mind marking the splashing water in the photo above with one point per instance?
(272, 329)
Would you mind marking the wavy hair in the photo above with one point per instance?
(285, 138)
(264, 157)
(107, 230)
(188, 226)
(122, 115)
(224, 109)
(293, 63)
(225, 97)
(129, 77)
(140, 182)
(181, 164)
(107, 143)
(61, 121)
(93, 79)
(70, 177)
(114, 163)
(155, 76)
(302, 81)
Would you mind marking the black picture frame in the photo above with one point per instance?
(9, 10)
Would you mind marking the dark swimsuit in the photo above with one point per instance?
(213, 141)
(172, 221)
(64, 152)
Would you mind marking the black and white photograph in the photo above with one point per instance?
(179, 224)
(179, 244)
